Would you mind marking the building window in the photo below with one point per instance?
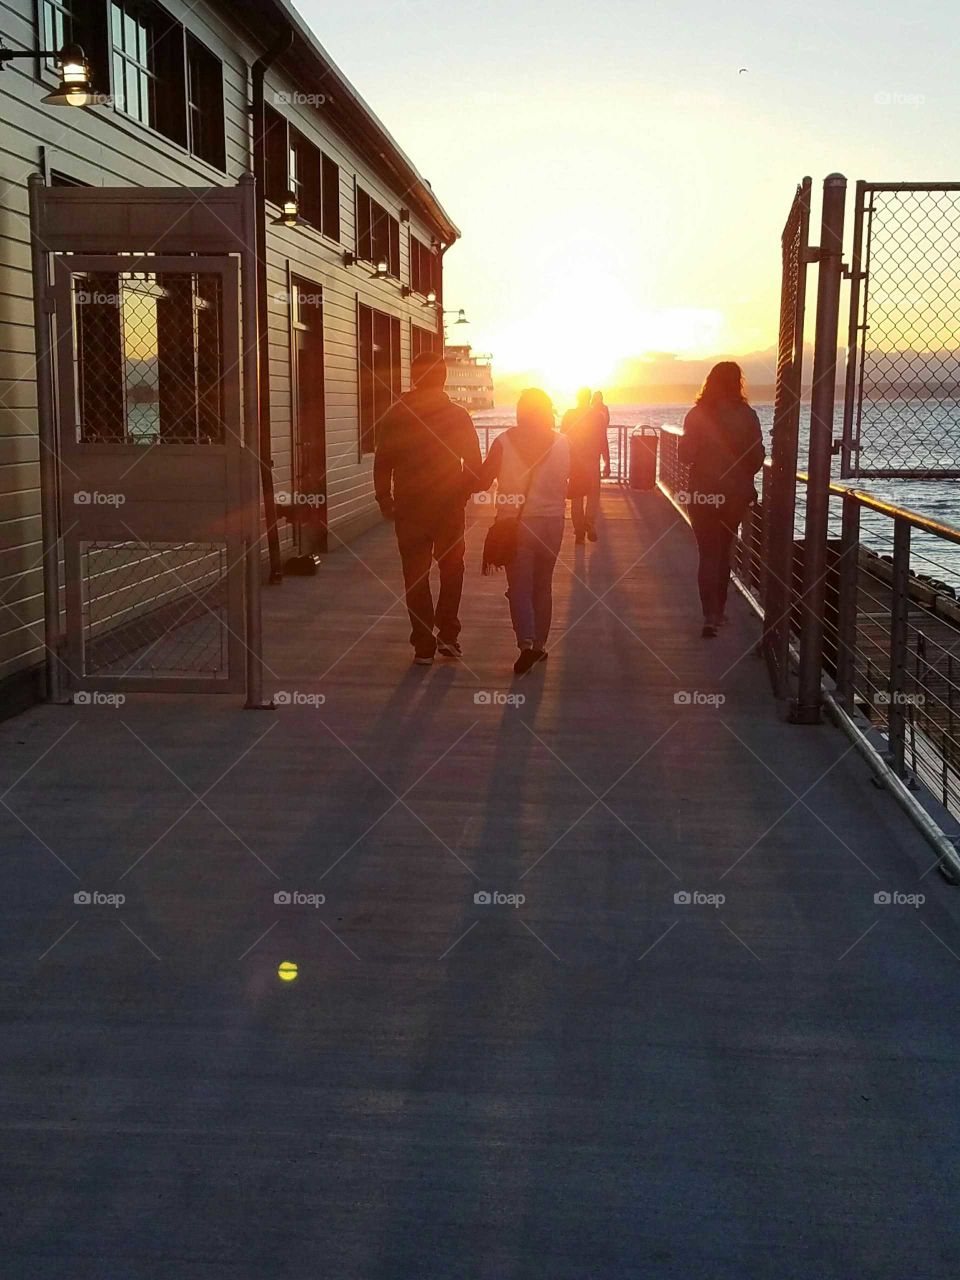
(205, 104)
(304, 170)
(424, 268)
(378, 234)
(294, 164)
(276, 153)
(378, 344)
(422, 340)
(149, 79)
(58, 25)
(133, 76)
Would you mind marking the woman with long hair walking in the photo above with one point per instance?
(531, 466)
(723, 446)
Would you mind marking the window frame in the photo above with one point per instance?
(378, 233)
(376, 395)
(194, 51)
(282, 137)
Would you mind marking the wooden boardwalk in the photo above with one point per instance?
(697, 1048)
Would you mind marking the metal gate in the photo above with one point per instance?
(902, 397)
(154, 436)
(779, 495)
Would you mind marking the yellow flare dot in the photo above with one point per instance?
(287, 971)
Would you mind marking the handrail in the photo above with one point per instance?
(870, 500)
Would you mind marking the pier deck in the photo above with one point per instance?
(602, 1081)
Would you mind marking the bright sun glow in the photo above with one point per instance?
(576, 334)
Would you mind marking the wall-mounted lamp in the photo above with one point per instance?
(349, 259)
(289, 212)
(382, 271)
(460, 314)
(75, 88)
(404, 215)
(431, 299)
(405, 291)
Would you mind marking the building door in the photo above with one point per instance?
(310, 481)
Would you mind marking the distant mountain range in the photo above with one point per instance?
(660, 377)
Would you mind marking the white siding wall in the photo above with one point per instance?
(103, 148)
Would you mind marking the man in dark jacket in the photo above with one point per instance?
(427, 464)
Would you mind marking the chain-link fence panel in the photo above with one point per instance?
(902, 410)
(148, 355)
(156, 609)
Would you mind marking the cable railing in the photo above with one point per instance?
(891, 618)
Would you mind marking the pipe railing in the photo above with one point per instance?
(618, 438)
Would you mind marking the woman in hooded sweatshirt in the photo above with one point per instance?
(531, 465)
(723, 445)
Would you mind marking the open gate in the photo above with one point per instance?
(779, 497)
(149, 409)
(902, 391)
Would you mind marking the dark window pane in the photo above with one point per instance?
(331, 199)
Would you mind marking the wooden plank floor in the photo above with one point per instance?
(604, 1080)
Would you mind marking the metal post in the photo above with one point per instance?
(899, 616)
(848, 604)
(807, 710)
(49, 454)
(251, 438)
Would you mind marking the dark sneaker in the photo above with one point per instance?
(592, 535)
(423, 660)
(449, 649)
(579, 540)
(709, 631)
(528, 658)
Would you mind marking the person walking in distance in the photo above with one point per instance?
(586, 429)
(426, 466)
(531, 466)
(723, 446)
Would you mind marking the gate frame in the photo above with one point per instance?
(859, 323)
(170, 221)
(780, 507)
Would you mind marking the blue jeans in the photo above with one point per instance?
(530, 579)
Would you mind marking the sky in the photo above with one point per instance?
(620, 184)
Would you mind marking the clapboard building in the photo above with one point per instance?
(353, 280)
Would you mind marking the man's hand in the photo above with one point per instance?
(386, 508)
(606, 471)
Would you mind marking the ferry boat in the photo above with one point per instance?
(469, 378)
